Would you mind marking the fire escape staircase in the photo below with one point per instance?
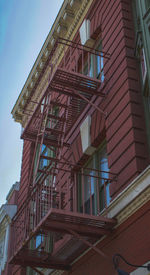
(49, 214)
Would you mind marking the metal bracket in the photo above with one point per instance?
(91, 103)
(92, 246)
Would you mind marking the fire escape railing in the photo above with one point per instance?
(29, 224)
(79, 59)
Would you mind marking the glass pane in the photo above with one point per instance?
(93, 194)
(143, 64)
(103, 166)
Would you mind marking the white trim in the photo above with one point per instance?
(140, 271)
(85, 31)
(86, 136)
(131, 192)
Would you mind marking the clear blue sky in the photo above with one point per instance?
(24, 26)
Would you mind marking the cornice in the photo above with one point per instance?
(15, 187)
(136, 194)
(66, 25)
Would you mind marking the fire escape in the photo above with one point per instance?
(52, 229)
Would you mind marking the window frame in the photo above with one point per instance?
(88, 186)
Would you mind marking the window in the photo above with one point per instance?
(93, 187)
(140, 53)
(44, 242)
(143, 64)
(52, 123)
(92, 64)
(43, 163)
(103, 167)
(100, 64)
(85, 31)
(97, 64)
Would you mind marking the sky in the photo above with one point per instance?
(24, 26)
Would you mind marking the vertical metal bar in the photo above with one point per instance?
(94, 64)
(89, 64)
(75, 193)
(89, 182)
(36, 207)
(36, 145)
(70, 51)
(105, 200)
(46, 111)
(65, 59)
(68, 193)
(46, 197)
(51, 196)
(100, 66)
(33, 212)
(82, 61)
(97, 187)
(76, 59)
(82, 184)
(39, 202)
(59, 197)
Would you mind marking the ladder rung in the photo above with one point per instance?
(56, 118)
(59, 104)
(54, 131)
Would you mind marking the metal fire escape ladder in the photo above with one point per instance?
(61, 137)
(51, 132)
(44, 108)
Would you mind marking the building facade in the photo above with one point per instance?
(7, 212)
(84, 110)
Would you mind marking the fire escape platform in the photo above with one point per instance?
(66, 82)
(63, 222)
(41, 259)
(86, 225)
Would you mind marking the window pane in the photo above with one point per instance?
(143, 64)
(103, 166)
(93, 191)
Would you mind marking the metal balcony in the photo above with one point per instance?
(56, 223)
(73, 84)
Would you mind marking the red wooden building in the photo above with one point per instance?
(84, 192)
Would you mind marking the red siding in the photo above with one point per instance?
(14, 198)
(131, 239)
(127, 156)
(123, 128)
(25, 171)
(124, 124)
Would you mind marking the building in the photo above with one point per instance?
(7, 212)
(84, 109)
